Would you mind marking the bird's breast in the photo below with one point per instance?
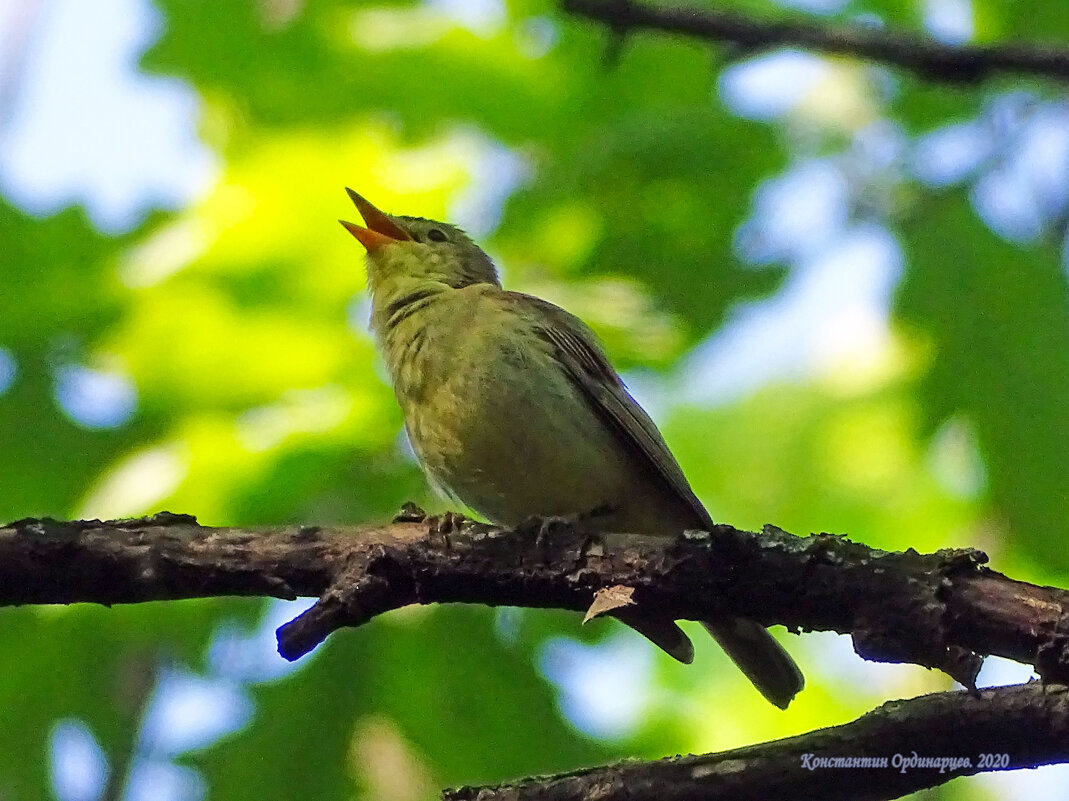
(506, 432)
(497, 421)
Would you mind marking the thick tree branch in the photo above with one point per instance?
(938, 610)
(1028, 724)
(931, 59)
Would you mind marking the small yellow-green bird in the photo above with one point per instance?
(513, 408)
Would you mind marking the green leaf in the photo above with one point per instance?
(468, 708)
(96, 665)
(997, 320)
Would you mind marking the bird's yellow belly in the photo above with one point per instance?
(496, 421)
(527, 449)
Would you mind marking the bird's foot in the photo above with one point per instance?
(543, 527)
(446, 522)
(409, 513)
(547, 528)
(443, 525)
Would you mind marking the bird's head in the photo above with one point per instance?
(404, 249)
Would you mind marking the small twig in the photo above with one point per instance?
(930, 59)
(899, 748)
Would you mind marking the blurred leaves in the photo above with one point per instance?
(997, 320)
(59, 294)
(636, 161)
(474, 714)
(93, 664)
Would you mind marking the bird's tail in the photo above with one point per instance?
(756, 652)
(760, 656)
(663, 632)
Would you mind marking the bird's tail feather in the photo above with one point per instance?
(760, 656)
(663, 632)
(756, 652)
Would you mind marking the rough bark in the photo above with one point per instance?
(940, 610)
(944, 610)
(899, 748)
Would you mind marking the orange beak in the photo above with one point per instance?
(380, 231)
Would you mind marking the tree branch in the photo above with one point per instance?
(930, 59)
(891, 746)
(941, 610)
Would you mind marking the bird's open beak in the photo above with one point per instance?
(380, 231)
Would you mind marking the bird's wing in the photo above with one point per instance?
(587, 367)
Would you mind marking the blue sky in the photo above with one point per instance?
(85, 127)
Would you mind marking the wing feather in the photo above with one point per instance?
(582, 359)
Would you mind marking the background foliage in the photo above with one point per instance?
(841, 290)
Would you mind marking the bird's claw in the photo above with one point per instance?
(549, 526)
(443, 525)
(409, 513)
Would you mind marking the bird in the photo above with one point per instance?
(513, 409)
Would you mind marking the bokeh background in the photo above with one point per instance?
(840, 288)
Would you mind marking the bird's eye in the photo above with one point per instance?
(436, 235)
